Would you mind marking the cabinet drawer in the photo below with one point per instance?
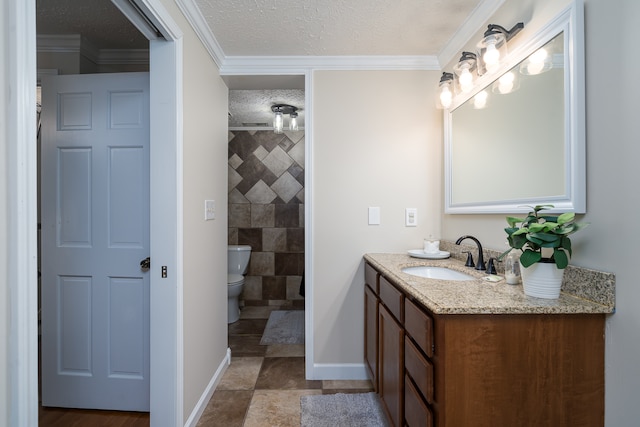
(419, 369)
(419, 326)
(416, 412)
(391, 297)
(371, 278)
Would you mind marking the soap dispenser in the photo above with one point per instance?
(512, 268)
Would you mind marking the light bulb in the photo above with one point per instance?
(277, 122)
(506, 83)
(480, 100)
(491, 56)
(293, 124)
(466, 80)
(446, 97)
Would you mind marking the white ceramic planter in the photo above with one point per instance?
(542, 280)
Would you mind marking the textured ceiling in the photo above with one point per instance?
(334, 27)
(252, 108)
(278, 28)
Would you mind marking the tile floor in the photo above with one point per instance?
(263, 385)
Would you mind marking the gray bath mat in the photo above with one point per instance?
(342, 410)
(284, 327)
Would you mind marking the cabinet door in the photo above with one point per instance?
(391, 365)
(416, 411)
(371, 335)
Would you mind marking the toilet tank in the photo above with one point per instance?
(238, 258)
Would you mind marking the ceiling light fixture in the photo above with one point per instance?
(492, 49)
(278, 121)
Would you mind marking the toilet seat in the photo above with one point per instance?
(234, 279)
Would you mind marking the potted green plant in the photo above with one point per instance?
(545, 245)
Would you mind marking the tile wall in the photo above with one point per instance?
(266, 211)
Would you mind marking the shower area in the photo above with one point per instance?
(266, 189)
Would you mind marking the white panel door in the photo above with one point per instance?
(95, 231)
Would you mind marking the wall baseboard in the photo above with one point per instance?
(208, 392)
(338, 371)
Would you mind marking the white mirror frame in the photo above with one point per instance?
(571, 22)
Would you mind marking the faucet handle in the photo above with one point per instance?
(469, 262)
(491, 269)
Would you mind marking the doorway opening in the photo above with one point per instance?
(166, 54)
(267, 192)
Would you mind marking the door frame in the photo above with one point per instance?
(166, 333)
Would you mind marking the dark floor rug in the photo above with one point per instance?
(342, 410)
(284, 327)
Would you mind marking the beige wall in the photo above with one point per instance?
(205, 242)
(613, 151)
(376, 142)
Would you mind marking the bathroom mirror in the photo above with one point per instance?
(519, 138)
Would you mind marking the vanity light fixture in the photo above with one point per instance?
(278, 120)
(492, 49)
(445, 91)
(465, 72)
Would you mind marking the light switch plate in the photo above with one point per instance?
(411, 217)
(374, 216)
(209, 210)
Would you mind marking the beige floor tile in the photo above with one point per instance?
(226, 408)
(285, 373)
(285, 350)
(276, 408)
(241, 374)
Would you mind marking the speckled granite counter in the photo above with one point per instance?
(473, 296)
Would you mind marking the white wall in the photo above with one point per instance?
(376, 142)
(205, 242)
(613, 151)
(4, 211)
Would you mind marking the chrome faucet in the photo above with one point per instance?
(480, 265)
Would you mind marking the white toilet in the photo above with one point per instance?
(237, 264)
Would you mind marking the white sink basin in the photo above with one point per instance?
(439, 273)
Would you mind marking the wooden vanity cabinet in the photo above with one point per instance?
(384, 338)
(485, 370)
(371, 311)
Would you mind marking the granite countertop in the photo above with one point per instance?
(472, 296)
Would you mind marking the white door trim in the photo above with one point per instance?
(166, 326)
(166, 301)
(22, 245)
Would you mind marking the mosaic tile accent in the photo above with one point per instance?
(266, 211)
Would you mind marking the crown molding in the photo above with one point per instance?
(199, 24)
(272, 64)
(55, 43)
(476, 20)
